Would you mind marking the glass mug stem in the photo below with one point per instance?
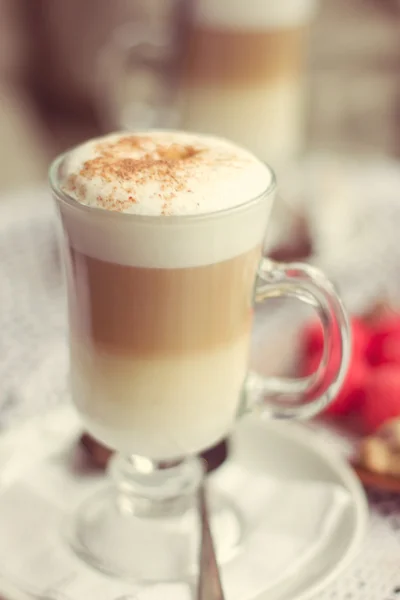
(148, 488)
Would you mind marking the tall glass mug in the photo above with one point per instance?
(239, 73)
(160, 319)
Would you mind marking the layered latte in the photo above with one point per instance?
(161, 263)
(244, 73)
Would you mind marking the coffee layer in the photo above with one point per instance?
(230, 57)
(160, 312)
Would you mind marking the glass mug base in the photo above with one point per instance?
(146, 528)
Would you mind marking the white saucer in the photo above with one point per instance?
(276, 448)
(290, 450)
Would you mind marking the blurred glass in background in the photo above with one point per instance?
(244, 75)
(227, 68)
(281, 77)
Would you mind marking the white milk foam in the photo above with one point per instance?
(130, 179)
(219, 177)
(254, 14)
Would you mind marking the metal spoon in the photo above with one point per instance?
(209, 585)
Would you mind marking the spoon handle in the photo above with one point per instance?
(209, 583)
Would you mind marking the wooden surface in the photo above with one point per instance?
(385, 483)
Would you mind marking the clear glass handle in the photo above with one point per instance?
(282, 397)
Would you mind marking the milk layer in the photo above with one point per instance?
(161, 409)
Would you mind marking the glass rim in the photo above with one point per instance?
(150, 219)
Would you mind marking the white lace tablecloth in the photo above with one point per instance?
(33, 366)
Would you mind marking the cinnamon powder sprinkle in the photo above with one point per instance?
(167, 163)
(140, 160)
